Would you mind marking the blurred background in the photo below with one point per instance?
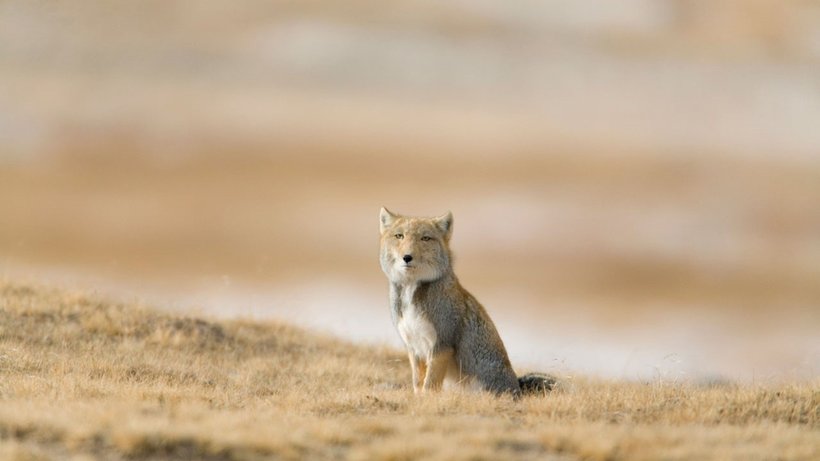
(635, 184)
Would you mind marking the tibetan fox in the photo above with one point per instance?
(448, 334)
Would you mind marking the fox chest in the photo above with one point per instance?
(418, 333)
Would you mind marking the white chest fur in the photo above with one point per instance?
(415, 330)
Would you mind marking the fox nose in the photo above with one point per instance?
(407, 258)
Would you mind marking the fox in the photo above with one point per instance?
(449, 337)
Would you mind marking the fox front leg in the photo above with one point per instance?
(418, 368)
(437, 366)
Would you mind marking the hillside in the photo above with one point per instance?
(84, 377)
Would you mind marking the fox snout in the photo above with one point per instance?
(411, 259)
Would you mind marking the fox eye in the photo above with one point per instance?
(399, 236)
(426, 238)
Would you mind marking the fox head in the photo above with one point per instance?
(415, 250)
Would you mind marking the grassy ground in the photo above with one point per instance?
(85, 378)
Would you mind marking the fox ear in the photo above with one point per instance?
(445, 223)
(386, 218)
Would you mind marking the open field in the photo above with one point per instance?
(635, 189)
(86, 378)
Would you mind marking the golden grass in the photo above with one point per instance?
(85, 378)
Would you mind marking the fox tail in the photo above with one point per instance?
(536, 383)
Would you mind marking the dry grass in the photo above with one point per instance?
(86, 378)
